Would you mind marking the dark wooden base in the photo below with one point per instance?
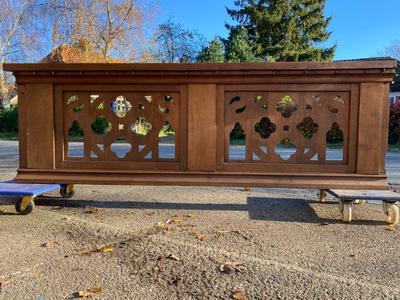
(270, 180)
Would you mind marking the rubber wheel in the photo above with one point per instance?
(347, 212)
(27, 210)
(393, 213)
(65, 194)
(341, 207)
(322, 196)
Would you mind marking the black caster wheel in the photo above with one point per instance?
(67, 191)
(29, 208)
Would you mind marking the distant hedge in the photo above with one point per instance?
(9, 120)
(394, 123)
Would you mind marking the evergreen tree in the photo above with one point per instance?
(238, 46)
(285, 30)
(214, 52)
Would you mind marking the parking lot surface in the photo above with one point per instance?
(142, 242)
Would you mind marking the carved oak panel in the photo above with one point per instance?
(298, 122)
(122, 126)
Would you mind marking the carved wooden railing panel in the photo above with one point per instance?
(121, 126)
(301, 119)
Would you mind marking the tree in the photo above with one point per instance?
(109, 27)
(214, 52)
(19, 28)
(175, 44)
(239, 48)
(285, 30)
(393, 50)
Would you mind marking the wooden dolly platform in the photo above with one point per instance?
(29, 191)
(346, 199)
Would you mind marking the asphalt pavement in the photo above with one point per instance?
(146, 242)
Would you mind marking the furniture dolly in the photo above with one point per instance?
(390, 200)
(29, 191)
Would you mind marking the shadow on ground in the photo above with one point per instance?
(258, 208)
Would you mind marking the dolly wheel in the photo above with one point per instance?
(392, 213)
(67, 191)
(25, 205)
(347, 211)
(385, 207)
(341, 207)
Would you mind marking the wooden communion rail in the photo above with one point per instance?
(281, 113)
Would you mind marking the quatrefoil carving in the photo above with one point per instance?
(122, 126)
(269, 118)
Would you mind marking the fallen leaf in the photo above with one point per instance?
(247, 189)
(167, 231)
(190, 216)
(107, 249)
(49, 244)
(239, 295)
(171, 256)
(201, 237)
(92, 210)
(86, 251)
(89, 292)
(161, 224)
(150, 213)
(353, 255)
(231, 267)
(174, 221)
(391, 228)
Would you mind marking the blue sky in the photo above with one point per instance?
(361, 28)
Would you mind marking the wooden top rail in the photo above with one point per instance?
(342, 67)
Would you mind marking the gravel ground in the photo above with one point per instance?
(173, 242)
